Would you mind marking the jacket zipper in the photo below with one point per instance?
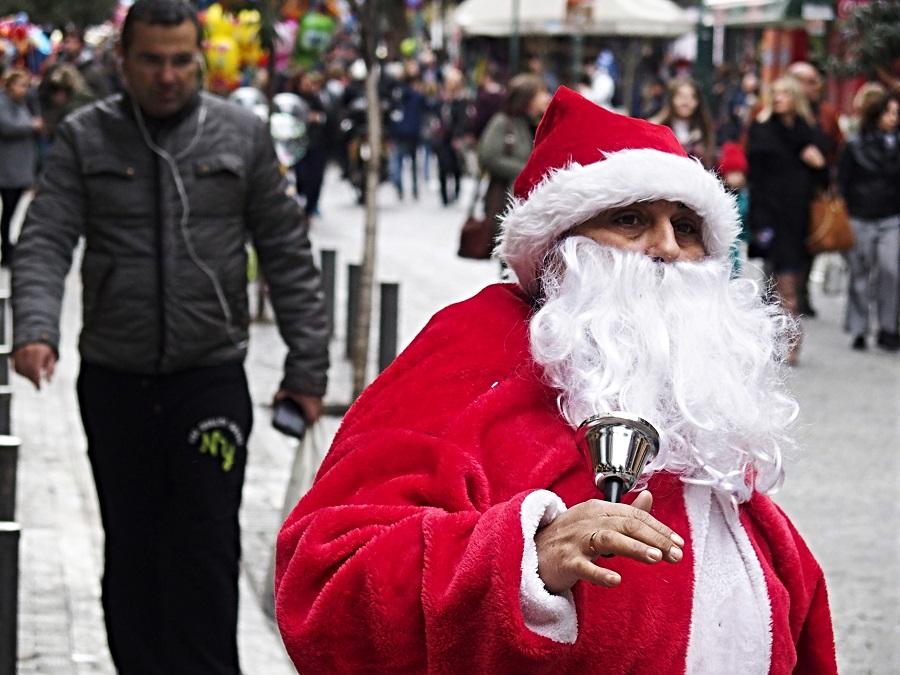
(160, 286)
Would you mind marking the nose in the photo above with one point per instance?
(167, 72)
(661, 242)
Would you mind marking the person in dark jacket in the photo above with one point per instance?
(830, 138)
(449, 125)
(489, 100)
(166, 184)
(785, 165)
(322, 131)
(18, 151)
(73, 50)
(405, 127)
(869, 180)
(61, 92)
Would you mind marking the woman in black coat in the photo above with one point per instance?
(869, 180)
(786, 164)
(449, 128)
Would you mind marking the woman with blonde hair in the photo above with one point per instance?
(686, 114)
(785, 153)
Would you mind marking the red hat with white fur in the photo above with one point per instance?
(586, 160)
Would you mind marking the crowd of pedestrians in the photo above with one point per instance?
(442, 124)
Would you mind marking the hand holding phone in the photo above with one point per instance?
(288, 418)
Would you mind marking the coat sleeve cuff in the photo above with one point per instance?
(549, 615)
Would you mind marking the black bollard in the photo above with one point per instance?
(9, 458)
(387, 326)
(354, 282)
(9, 596)
(4, 318)
(5, 353)
(329, 270)
(5, 409)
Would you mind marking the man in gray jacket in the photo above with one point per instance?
(166, 184)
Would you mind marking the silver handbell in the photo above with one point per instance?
(618, 445)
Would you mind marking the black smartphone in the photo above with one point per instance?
(288, 418)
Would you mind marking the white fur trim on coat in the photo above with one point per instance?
(568, 197)
(552, 616)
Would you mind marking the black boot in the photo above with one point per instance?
(888, 341)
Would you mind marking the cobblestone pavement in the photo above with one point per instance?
(842, 491)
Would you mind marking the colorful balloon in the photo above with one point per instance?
(223, 59)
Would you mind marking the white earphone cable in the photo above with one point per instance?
(172, 163)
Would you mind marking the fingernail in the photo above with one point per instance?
(654, 554)
(675, 553)
(613, 578)
(678, 540)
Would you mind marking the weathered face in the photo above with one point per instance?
(161, 66)
(664, 230)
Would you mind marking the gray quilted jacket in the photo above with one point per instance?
(163, 292)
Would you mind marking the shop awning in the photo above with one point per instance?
(495, 17)
(649, 18)
(769, 12)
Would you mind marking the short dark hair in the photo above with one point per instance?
(159, 13)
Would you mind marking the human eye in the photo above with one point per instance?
(150, 60)
(687, 227)
(183, 61)
(627, 219)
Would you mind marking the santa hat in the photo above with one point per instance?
(586, 160)
(731, 159)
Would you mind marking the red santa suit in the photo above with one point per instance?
(414, 550)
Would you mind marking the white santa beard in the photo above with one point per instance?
(692, 352)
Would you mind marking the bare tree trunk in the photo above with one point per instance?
(373, 170)
(632, 60)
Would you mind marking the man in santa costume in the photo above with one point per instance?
(455, 527)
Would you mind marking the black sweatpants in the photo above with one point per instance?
(9, 200)
(168, 454)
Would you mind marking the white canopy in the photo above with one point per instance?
(495, 17)
(649, 18)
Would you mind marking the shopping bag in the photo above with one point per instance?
(476, 238)
(829, 225)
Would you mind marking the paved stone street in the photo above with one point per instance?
(843, 492)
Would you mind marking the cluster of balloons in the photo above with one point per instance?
(232, 47)
(24, 43)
